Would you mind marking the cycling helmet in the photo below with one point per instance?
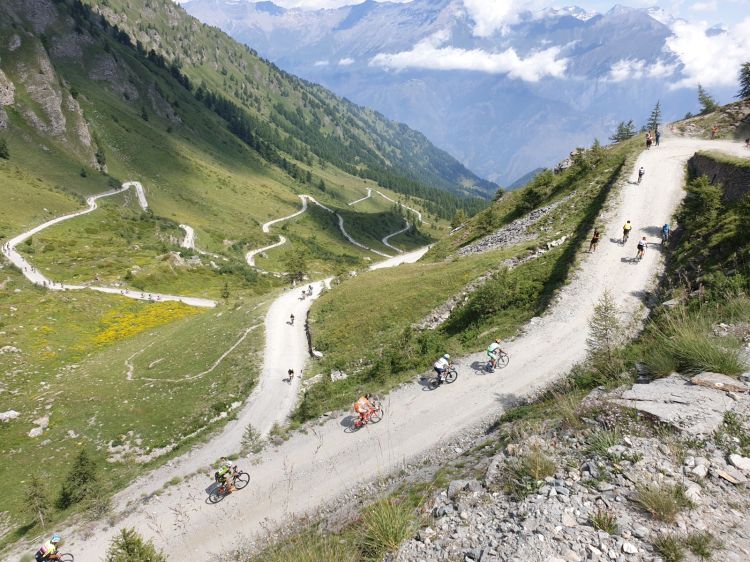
(497, 340)
(55, 539)
(446, 356)
(368, 395)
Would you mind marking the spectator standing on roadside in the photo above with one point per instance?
(594, 241)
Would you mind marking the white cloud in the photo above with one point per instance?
(318, 4)
(633, 69)
(708, 6)
(429, 53)
(346, 61)
(496, 15)
(321, 63)
(712, 60)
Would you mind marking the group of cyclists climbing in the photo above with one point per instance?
(666, 232)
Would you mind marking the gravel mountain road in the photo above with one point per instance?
(318, 465)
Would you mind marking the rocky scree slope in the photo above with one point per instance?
(569, 494)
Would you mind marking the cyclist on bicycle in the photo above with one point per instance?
(641, 247)
(665, 232)
(48, 551)
(441, 365)
(626, 228)
(493, 352)
(641, 173)
(224, 474)
(364, 407)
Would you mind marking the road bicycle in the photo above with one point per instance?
(239, 480)
(500, 363)
(449, 376)
(373, 416)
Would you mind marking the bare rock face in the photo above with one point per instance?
(40, 13)
(41, 85)
(719, 382)
(81, 127)
(7, 90)
(14, 42)
(69, 46)
(105, 68)
(694, 409)
(7, 97)
(161, 106)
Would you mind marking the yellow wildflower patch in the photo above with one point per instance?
(124, 322)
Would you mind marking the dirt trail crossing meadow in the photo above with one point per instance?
(314, 467)
(38, 278)
(266, 228)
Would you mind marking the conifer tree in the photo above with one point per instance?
(654, 119)
(80, 482)
(36, 499)
(605, 334)
(624, 131)
(4, 152)
(129, 546)
(708, 104)
(744, 80)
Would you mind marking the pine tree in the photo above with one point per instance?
(605, 334)
(624, 131)
(458, 218)
(4, 152)
(654, 119)
(295, 264)
(129, 546)
(744, 80)
(36, 499)
(80, 483)
(708, 104)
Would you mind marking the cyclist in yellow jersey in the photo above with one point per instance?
(626, 228)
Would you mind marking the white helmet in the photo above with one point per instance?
(446, 356)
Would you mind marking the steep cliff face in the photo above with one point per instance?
(31, 88)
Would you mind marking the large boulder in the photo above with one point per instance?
(694, 409)
(719, 382)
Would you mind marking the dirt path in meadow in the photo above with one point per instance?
(38, 278)
(266, 228)
(324, 462)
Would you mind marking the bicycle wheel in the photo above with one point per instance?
(434, 383)
(451, 375)
(503, 360)
(376, 416)
(67, 557)
(241, 480)
(216, 495)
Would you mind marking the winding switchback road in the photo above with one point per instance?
(324, 462)
(250, 256)
(38, 278)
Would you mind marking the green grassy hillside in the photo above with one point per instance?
(110, 375)
(320, 124)
(385, 349)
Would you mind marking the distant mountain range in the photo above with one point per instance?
(504, 101)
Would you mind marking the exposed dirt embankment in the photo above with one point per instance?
(731, 173)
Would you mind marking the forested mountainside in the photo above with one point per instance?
(301, 118)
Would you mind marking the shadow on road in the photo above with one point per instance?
(424, 382)
(480, 368)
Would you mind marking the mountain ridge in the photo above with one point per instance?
(615, 66)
